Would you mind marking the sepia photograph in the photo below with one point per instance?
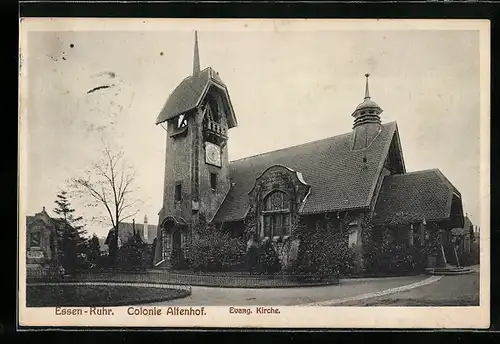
(254, 173)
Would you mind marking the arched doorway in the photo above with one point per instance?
(172, 232)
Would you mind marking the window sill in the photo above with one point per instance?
(277, 238)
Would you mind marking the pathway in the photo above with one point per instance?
(460, 290)
(206, 296)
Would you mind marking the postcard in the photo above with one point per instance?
(208, 173)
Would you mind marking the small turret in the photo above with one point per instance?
(367, 121)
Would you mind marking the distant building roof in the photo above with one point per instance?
(102, 244)
(423, 195)
(338, 176)
(125, 231)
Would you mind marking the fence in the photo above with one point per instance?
(186, 280)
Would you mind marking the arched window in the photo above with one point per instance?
(276, 215)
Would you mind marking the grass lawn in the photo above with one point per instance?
(86, 295)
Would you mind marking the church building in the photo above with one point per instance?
(345, 180)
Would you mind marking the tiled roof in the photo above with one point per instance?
(338, 177)
(125, 231)
(420, 195)
(188, 94)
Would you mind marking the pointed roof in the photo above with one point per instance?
(338, 177)
(191, 91)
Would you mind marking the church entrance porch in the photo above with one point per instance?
(173, 236)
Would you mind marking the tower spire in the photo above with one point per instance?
(367, 90)
(196, 60)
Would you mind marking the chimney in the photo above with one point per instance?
(145, 227)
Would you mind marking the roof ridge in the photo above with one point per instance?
(301, 144)
(289, 147)
(416, 172)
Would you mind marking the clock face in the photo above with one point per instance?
(212, 154)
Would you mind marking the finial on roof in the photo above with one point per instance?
(196, 60)
(367, 90)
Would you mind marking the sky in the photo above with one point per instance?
(287, 88)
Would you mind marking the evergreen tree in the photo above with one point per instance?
(71, 241)
(130, 255)
(94, 251)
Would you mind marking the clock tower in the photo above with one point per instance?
(196, 118)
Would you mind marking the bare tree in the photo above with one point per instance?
(109, 183)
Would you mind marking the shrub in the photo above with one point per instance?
(178, 260)
(323, 253)
(213, 250)
(132, 255)
(393, 258)
(268, 260)
(469, 258)
(252, 259)
(397, 259)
